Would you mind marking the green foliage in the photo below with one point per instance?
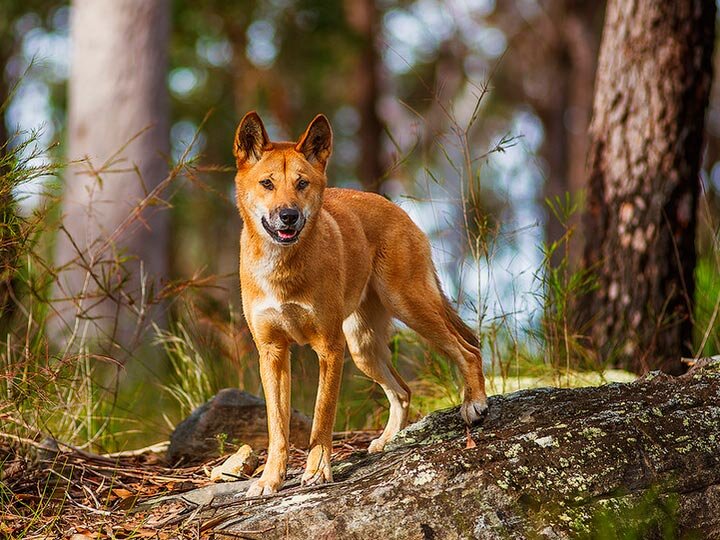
(561, 286)
(707, 306)
(652, 515)
(195, 375)
(221, 440)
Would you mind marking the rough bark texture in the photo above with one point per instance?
(546, 464)
(651, 93)
(118, 119)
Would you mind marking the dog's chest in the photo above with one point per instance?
(293, 318)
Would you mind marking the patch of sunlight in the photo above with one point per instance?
(496, 384)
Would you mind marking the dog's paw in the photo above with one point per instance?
(377, 446)
(317, 470)
(263, 487)
(321, 475)
(473, 411)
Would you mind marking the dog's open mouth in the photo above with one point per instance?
(282, 236)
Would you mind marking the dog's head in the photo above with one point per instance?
(280, 185)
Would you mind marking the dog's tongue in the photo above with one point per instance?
(286, 234)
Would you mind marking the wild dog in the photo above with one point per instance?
(326, 267)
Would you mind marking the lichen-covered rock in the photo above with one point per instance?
(232, 417)
(547, 463)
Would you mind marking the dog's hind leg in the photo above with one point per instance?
(367, 333)
(424, 308)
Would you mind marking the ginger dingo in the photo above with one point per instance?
(326, 267)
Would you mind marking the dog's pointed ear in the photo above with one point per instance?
(251, 140)
(316, 143)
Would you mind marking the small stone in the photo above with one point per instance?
(241, 463)
(230, 418)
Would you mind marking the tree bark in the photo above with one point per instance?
(651, 93)
(119, 121)
(545, 463)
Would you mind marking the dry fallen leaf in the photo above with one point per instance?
(470, 442)
(122, 493)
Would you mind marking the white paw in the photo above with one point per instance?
(473, 411)
(316, 477)
(317, 470)
(376, 445)
(262, 488)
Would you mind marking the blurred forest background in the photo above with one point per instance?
(473, 115)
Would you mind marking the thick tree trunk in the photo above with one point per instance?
(118, 120)
(545, 463)
(651, 93)
(363, 18)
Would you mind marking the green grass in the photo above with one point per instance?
(707, 306)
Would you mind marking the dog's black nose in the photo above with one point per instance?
(289, 216)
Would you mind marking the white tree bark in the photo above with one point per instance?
(119, 128)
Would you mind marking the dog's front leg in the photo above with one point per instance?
(330, 356)
(275, 375)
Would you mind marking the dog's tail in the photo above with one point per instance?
(455, 321)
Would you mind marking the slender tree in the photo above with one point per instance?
(554, 54)
(118, 127)
(654, 75)
(363, 17)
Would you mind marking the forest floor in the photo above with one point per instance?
(635, 460)
(78, 495)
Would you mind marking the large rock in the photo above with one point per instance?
(638, 460)
(231, 418)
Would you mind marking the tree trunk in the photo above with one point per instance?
(118, 120)
(651, 93)
(555, 56)
(545, 463)
(567, 114)
(363, 18)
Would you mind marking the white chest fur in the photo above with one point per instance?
(273, 310)
(295, 319)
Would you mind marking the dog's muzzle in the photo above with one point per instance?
(284, 225)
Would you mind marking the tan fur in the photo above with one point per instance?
(358, 262)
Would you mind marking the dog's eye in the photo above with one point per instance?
(267, 184)
(302, 184)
